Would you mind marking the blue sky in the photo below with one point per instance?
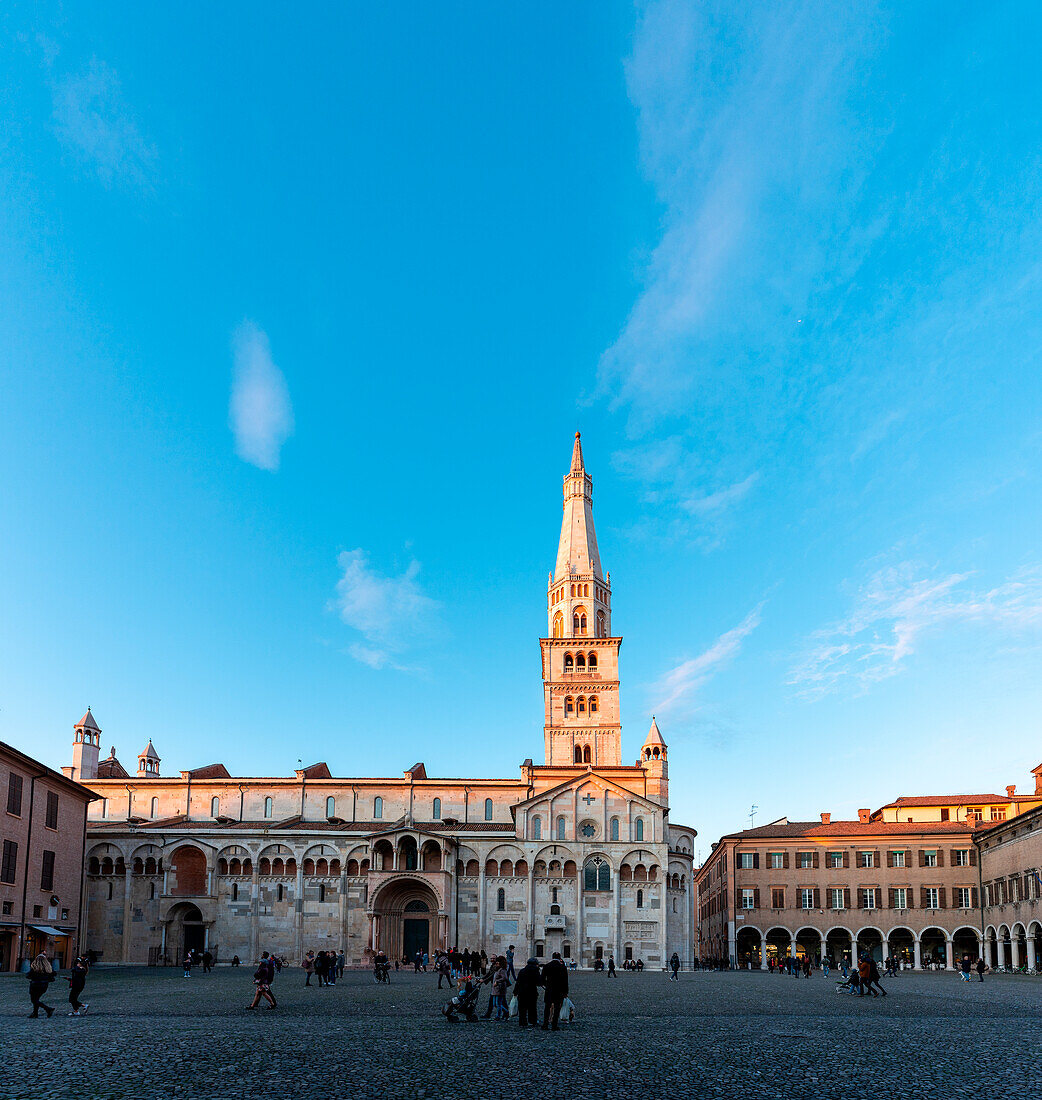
(299, 311)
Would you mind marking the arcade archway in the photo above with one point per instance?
(406, 917)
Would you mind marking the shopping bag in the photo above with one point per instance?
(567, 1010)
(513, 1006)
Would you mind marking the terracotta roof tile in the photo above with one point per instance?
(848, 828)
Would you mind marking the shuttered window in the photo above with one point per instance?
(47, 872)
(9, 865)
(14, 795)
(52, 810)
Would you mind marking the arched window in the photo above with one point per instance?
(560, 828)
(601, 631)
(436, 810)
(537, 828)
(267, 807)
(569, 664)
(569, 706)
(580, 661)
(215, 806)
(674, 905)
(586, 755)
(558, 625)
(501, 899)
(235, 891)
(638, 829)
(593, 704)
(330, 806)
(640, 899)
(579, 621)
(378, 807)
(614, 828)
(488, 809)
(597, 875)
(578, 755)
(592, 662)
(155, 807)
(580, 705)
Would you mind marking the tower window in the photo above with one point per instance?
(436, 811)
(592, 661)
(601, 631)
(580, 661)
(558, 625)
(488, 809)
(378, 807)
(569, 706)
(569, 663)
(593, 704)
(578, 755)
(586, 755)
(580, 705)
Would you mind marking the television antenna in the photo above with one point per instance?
(752, 814)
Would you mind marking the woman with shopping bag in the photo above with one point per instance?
(525, 1001)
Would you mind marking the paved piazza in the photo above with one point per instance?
(157, 1035)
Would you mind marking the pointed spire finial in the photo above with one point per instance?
(577, 457)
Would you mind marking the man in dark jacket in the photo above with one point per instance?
(555, 981)
(526, 990)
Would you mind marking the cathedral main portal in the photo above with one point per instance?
(406, 918)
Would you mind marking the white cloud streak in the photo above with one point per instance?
(674, 691)
(260, 414)
(895, 611)
(391, 613)
(93, 121)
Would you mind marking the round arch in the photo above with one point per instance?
(407, 917)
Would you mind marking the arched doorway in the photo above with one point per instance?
(839, 946)
(779, 944)
(870, 942)
(933, 948)
(187, 932)
(406, 918)
(902, 947)
(748, 948)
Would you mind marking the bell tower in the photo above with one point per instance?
(580, 657)
(86, 748)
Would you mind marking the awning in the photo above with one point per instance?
(47, 930)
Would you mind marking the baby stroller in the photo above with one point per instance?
(463, 1003)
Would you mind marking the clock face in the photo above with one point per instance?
(588, 830)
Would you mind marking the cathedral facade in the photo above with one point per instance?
(575, 855)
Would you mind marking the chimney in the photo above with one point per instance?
(826, 819)
(863, 816)
(1011, 792)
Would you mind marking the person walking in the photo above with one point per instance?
(806, 966)
(510, 963)
(500, 985)
(526, 990)
(77, 979)
(263, 976)
(825, 965)
(611, 966)
(444, 969)
(207, 962)
(980, 967)
(555, 985)
(330, 968)
(674, 966)
(309, 966)
(965, 965)
(341, 962)
(40, 976)
(189, 960)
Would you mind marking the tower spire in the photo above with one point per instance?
(577, 457)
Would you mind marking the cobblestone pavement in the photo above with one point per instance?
(158, 1035)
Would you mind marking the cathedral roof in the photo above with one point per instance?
(88, 721)
(111, 768)
(654, 735)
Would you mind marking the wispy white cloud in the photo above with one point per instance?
(711, 504)
(895, 611)
(260, 413)
(392, 613)
(93, 120)
(675, 690)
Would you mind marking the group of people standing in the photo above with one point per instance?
(326, 966)
(552, 978)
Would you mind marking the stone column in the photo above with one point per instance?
(949, 955)
(298, 914)
(579, 916)
(531, 909)
(824, 947)
(481, 905)
(917, 955)
(763, 952)
(343, 905)
(125, 945)
(255, 912)
(1031, 954)
(663, 918)
(989, 954)
(1014, 948)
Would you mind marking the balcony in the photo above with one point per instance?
(555, 922)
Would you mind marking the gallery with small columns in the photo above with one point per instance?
(577, 854)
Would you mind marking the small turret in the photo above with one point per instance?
(148, 762)
(86, 748)
(653, 761)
